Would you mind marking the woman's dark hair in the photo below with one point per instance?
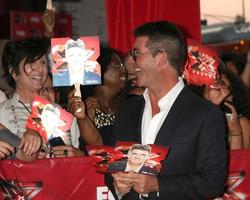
(29, 50)
(239, 61)
(240, 93)
(105, 59)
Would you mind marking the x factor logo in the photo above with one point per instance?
(233, 182)
(18, 190)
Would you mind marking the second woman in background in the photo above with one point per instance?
(102, 100)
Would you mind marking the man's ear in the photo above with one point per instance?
(12, 73)
(162, 59)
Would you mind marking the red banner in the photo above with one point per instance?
(29, 24)
(52, 179)
(75, 178)
(238, 183)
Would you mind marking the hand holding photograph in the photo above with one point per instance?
(128, 157)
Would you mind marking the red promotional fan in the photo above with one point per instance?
(101, 156)
(201, 66)
(74, 62)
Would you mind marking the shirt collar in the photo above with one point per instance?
(169, 97)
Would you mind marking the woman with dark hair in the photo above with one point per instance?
(102, 100)
(102, 105)
(25, 65)
(233, 97)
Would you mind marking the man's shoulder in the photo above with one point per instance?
(195, 100)
(198, 106)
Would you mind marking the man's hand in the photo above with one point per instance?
(144, 184)
(122, 183)
(5, 149)
(141, 183)
(66, 151)
(31, 142)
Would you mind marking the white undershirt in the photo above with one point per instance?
(151, 125)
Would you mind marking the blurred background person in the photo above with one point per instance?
(234, 62)
(245, 76)
(239, 65)
(233, 97)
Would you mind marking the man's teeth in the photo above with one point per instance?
(137, 70)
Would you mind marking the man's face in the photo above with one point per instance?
(75, 58)
(145, 70)
(32, 76)
(138, 157)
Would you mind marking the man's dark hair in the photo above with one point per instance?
(29, 50)
(164, 36)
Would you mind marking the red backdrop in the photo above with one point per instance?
(124, 16)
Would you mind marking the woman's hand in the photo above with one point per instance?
(48, 19)
(92, 103)
(66, 151)
(217, 95)
(30, 142)
(6, 149)
(234, 128)
(233, 122)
